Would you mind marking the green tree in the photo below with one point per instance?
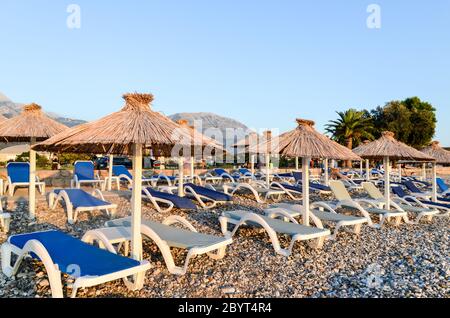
(351, 128)
(41, 161)
(70, 158)
(423, 120)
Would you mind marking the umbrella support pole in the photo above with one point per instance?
(327, 176)
(110, 172)
(387, 182)
(180, 176)
(32, 185)
(367, 169)
(136, 203)
(268, 170)
(434, 176)
(305, 184)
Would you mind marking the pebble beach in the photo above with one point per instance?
(404, 261)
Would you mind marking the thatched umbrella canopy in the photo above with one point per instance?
(30, 126)
(386, 148)
(436, 151)
(127, 131)
(2, 118)
(31, 123)
(307, 143)
(204, 144)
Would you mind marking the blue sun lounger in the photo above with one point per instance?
(207, 198)
(77, 200)
(62, 253)
(169, 199)
(84, 173)
(225, 175)
(125, 175)
(416, 192)
(421, 202)
(443, 187)
(19, 176)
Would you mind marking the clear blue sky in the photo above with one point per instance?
(262, 62)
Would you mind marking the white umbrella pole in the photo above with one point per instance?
(136, 202)
(361, 168)
(192, 168)
(305, 182)
(387, 183)
(32, 185)
(296, 163)
(180, 177)
(110, 172)
(252, 164)
(327, 177)
(424, 171)
(367, 169)
(399, 172)
(268, 169)
(434, 176)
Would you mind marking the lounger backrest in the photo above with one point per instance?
(339, 191)
(84, 170)
(372, 190)
(298, 176)
(441, 184)
(220, 171)
(412, 187)
(398, 191)
(121, 170)
(18, 172)
(244, 171)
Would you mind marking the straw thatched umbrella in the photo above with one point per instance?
(31, 125)
(2, 118)
(125, 132)
(436, 151)
(387, 148)
(200, 140)
(305, 142)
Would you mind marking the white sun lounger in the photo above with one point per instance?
(165, 236)
(78, 200)
(5, 219)
(322, 212)
(61, 253)
(273, 227)
(400, 204)
(365, 207)
(259, 190)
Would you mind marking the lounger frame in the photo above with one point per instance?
(54, 274)
(72, 214)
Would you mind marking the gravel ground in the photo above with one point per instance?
(405, 261)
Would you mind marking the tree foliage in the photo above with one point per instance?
(412, 120)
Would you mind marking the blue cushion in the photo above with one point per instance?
(285, 175)
(441, 184)
(121, 170)
(19, 172)
(298, 176)
(214, 195)
(80, 198)
(290, 187)
(67, 252)
(178, 202)
(84, 170)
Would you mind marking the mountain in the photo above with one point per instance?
(226, 130)
(9, 109)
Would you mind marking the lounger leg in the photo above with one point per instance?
(219, 254)
(223, 225)
(398, 220)
(357, 229)
(317, 243)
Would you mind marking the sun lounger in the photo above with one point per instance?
(125, 175)
(259, 190)
(61, 253)
(165, 236)
(169, 199)
(77, 200)
(274, 227)
(421, 202)
(443, 187)
(400, 204)
(290, 190)
(19, 176)
(416, 192)
(324, 213)
(365, 207)
(206, 197)
(84, 173)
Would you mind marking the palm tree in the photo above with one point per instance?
(351, 128)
